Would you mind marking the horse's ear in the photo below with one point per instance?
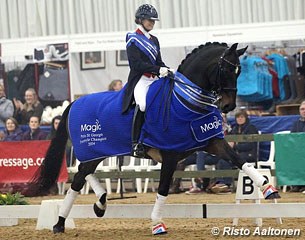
(241, 51)
(233, 47)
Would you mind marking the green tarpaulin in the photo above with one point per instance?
(290, 158)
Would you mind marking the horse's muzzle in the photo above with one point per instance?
(228, 107)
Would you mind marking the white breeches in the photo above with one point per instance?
(140, 91)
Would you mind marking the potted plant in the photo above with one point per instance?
(11, 199)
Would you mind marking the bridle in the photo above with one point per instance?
(221, 70)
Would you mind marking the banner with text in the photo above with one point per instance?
(20, 160)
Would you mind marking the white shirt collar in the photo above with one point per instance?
(144, 32)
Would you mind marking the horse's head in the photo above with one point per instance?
(215, 67)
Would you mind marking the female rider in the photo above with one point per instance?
(145, 62)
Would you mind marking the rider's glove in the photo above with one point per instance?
(163, 71)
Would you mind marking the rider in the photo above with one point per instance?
(145, 62)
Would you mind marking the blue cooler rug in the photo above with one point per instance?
(98, 128)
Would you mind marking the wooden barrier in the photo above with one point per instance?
(189, 174)
(156, 174)
(250, 210)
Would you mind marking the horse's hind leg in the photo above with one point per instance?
(100, 206)
(85, 171)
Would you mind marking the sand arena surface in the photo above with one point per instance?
(141, 229)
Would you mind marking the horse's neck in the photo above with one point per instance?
(197, 79)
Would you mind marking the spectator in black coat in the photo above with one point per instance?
(246, 150)
(34, 133)
(299, 125)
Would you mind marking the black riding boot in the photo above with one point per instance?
(138, 120)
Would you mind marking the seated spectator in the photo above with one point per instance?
(246, 150)
(2, 135)
(34, 133)
(299, 125)
(6, 107)
(54, 126)
(219, 185)
(115, 85)
(31, 107)
(12, 131)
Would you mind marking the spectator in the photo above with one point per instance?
(31, 107)
(220, 185)
(115, 85)
(246, 150)
(299, 126)
(34, 133)
(6, 107)
(2, 135)
(12, 131)
(54, 126)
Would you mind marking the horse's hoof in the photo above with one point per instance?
(58, 229)
(100, 207)
(270, 192)
(98, 211)
(159, 228)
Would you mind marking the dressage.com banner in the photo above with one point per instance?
(20, 160)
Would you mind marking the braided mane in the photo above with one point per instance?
(199, 48)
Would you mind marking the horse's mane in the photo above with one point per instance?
(201, 47)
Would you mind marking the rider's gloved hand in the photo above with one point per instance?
(171, 73)
(163, 72)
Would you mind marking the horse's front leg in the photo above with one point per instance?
(167, 170)
(85, 173)
(223, 150)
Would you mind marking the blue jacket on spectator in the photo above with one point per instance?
(14, 136)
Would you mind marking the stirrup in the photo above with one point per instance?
(138, 150)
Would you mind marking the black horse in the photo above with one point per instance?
(205, 84)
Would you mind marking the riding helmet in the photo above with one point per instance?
(147, 11)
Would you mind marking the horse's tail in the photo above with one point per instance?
(46, 176)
